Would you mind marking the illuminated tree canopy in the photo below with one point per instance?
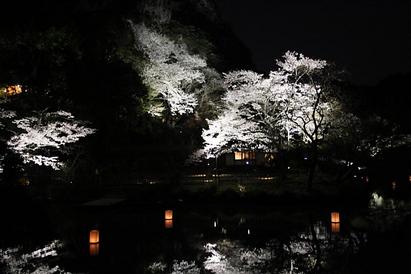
(39, 135)
(270, 112)
(171, 71)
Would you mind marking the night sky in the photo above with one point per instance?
(370, 39)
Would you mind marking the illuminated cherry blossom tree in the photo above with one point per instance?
(271, 112)
(39, 136)
(170, 71)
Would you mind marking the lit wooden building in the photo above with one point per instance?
(247, 157)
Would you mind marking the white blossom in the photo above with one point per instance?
(170, 71)
(39, 134)
(374, 146)
(34, 262)
(7, 114)
(184, 267)
(1, 164)
(217, 262)
(263, 112)
(157, 267)
(231, 257)
(294, 61)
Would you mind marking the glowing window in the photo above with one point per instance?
(13, 90)
(244, 155)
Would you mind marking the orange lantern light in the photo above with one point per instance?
(94, 249)
(335, 217)
(335, 227)
(335, 222)
(168, 215)
(13, 90)
(24, 181)
(168, 224)
(94, 237)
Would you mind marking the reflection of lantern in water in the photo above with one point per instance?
(94, 237)
(94, 249)
(168, 218)
(168, 223)
(335, 227)
(94, 241)
(24, 181)
(335, 222)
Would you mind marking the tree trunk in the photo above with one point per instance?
(316, 245)
(313, 166)
(282, 164)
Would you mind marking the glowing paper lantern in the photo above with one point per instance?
(394, 185)
(94, 241)
(335, 222)
(168, 218)
(94, 237)
(335, 217)
(168, 214)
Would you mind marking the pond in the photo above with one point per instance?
(186, 239)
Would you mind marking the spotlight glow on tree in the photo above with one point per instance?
(171, 71)
(269, 113)
(40, 135)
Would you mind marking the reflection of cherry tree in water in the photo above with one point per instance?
(16, 260)
(312, 251)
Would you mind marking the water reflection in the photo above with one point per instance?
(168, 219)
(335, 222)
(335, 227)
(94, 242)
(168, 224)
(94, 249)
(232, 240)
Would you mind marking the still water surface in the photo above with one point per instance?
(186, 239)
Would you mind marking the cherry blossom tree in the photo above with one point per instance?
(271, 113)
(37, 137)
(232, 130)
(170, 71)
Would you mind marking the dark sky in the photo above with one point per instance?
(370, 39)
